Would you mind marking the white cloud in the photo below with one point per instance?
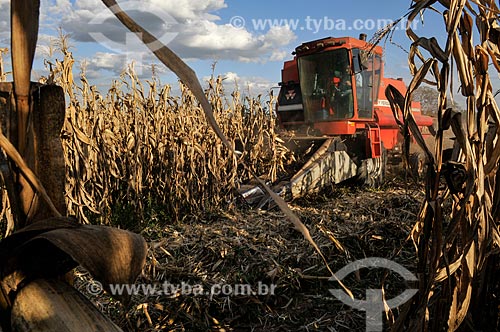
(118, 63)
(108, 61)
(280, 55)
(259, 85)
(207, 40)
(50, 9)
(279, 36)
(179, 9)
(189, 28)
(189, 9)
(230, 76)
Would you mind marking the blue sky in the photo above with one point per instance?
(248, 40)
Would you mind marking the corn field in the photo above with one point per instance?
(138, 145)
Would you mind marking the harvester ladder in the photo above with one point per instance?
(374, 142)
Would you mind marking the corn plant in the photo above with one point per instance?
(138, 144)
(457, 251)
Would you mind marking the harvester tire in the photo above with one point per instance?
(372, 172)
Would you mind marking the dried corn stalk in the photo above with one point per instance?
(457, 251)
(137, 145)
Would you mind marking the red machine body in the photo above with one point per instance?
(336, 87)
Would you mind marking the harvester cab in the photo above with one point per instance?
(337, 80)
(332, 102)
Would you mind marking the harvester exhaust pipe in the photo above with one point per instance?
(362, 36)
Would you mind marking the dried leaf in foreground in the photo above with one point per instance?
(32, 257)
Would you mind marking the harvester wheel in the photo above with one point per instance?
(372, 171)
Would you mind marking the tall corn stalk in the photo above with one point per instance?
(457, 252)
(137, 145)
(24, 28)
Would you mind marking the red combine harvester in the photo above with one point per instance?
(334, 113)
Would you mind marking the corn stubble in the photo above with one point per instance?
(137, 145)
